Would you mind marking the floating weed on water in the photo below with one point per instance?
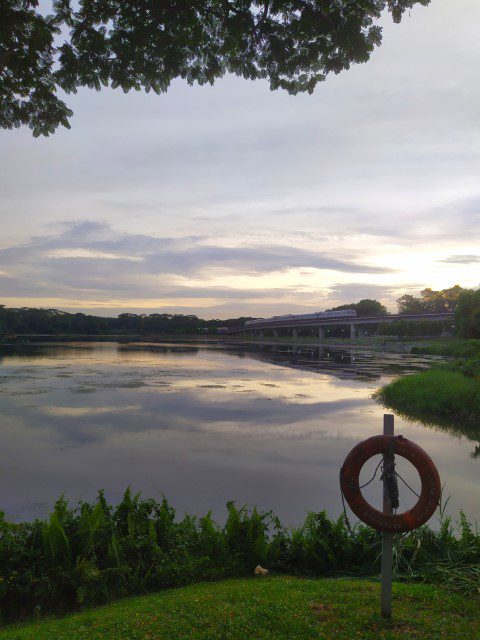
(211, 386)
(120, 384)
(30, 392)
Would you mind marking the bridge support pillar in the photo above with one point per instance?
(275, 333)
(352, 330)
(295, 333)
(321, 334)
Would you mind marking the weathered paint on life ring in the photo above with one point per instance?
(396, 523)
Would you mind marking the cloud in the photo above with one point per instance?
(217, 196)
(160, 412)
(252, 259)
(461, 259)
(92, 260)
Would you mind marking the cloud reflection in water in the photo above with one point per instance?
(201, 425)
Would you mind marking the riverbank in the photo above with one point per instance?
(91, 554)
(273, 607)
(450, 347)
(448, 392)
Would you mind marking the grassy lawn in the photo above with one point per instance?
(273, 608)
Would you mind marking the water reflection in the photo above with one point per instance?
(203, 425)
(339, 362)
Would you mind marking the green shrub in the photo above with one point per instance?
(469, 367)
(94, 553)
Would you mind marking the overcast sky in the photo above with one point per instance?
(235, 200)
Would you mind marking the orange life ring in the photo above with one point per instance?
(396, 523)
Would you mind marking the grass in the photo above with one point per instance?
(437, 392)
(446, 395)
(273, 608)
(452, 347)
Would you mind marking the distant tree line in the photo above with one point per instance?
(364, 308)
(414, 329)
(406, 304)
(431, 301)
(464, 302)
(28, 320)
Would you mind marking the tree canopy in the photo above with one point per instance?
(28, 320)
(364, 308)
(295, 44)
(431, 301)
(467, 314)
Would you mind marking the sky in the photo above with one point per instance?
(232, 200)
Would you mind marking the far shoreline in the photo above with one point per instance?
(376, 343)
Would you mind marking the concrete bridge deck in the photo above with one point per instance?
(352, 322)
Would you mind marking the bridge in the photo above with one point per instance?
(352, 323)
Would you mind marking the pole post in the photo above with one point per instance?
(387, 540)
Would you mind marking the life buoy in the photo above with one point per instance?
(431, 488)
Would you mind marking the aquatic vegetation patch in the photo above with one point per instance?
(211, 386)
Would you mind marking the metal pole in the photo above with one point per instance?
(387, 541)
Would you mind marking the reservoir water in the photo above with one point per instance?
(262, 425)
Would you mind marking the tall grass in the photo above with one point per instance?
(455, 348)
(446, 393)
(93, 553)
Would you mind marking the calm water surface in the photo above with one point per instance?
(268, 426)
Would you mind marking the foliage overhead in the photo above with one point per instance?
(295, 44)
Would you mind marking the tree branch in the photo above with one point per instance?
(4, 60)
